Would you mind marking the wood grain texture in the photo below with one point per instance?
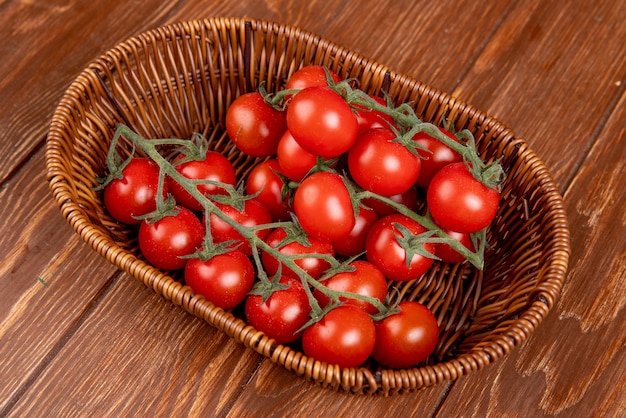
(78, 338)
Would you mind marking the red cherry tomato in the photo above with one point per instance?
(458, 202)
(135, 193)
(310, 76)
(322, 122)
(165, 241)
(407, 338)
(254, 126)
(447, 254)
(369, 119)
(323, 206)
(223, 280)
(294, 161)
(312, 265)
(353, 243)
(439, 156)
(365, 280)
(380, 165)
(384, 251)
(345, 336)
(283, 314)
(213, 167)
(253, 214)
(408, 199)
(264, 180)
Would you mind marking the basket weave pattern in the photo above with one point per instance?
(179, 79)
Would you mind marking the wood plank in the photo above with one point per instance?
(44, 61)
(574, 363)
(136, 355)
(49, 279)
(436, 44)
(552, 73)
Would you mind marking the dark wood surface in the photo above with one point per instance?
(79, 338)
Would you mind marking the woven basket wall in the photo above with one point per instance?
(179, 79)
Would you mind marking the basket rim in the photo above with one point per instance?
(385, 381)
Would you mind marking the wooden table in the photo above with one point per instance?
(79, 338)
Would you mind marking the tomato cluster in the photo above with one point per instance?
(310, 241)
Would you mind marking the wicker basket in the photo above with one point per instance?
(180, 78)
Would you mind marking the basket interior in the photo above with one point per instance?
(179, 79)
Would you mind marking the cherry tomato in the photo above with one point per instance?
(365, 280)
(253, 214)
(353, 243)
(322, 122)
(312, 265)
(439, 156)
(283, 314)
(213, 167)
(407, 198)
(310, 76)
(294, 161)
(369, 119)
(447, 254)
(223, 280)
(264, 180)
(165, 241)
(323, 206)
(384, 251)
(254, 126)
(380, 165)
(345, 336)
(135, 193)
(407, 338)
(458, 202)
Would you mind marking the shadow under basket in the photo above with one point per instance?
(179, 79)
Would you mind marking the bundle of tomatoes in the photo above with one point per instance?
(310, 242)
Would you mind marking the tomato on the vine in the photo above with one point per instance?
(353, 243)
(310, 76)
(254, 125)
(365, 280)
(213, 167)
(345, 336)
(408, 198)
(322, 122)
(380, 165)
(253, 214)
(459, 202)
(438, 155)
(135, 193)
(323, 206)
(294, 161)
(386, 253)
(314, 266)
(283, 314)
(264, 182)
(369, 119)
(407, 338)
(224, 279)
(447, 254)
(166, 241)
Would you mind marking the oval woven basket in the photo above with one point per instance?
(180, 79)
